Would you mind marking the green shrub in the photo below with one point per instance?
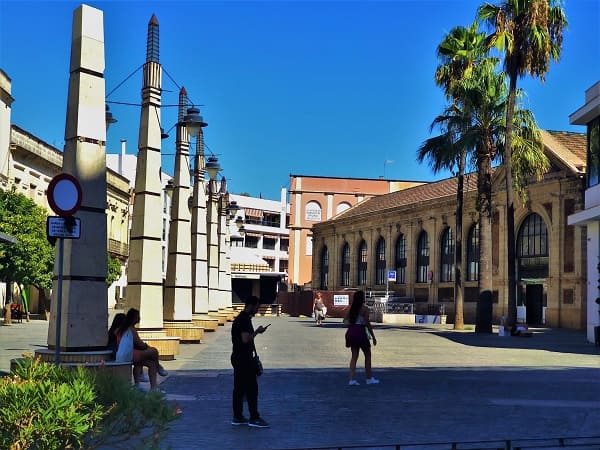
(47, 407)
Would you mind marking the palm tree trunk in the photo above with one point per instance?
(510, 208)
(484, 206)
(459, 320)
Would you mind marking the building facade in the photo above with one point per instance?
(27, 163)
(314, 199)
(589, 116)
(412, 232)
(259, 254)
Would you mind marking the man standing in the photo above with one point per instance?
(244, 369)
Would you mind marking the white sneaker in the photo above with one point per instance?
(372, 380)
(353, 383)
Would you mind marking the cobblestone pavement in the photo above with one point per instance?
(437, 385)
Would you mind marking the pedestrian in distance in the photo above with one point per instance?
(143, 354)
(319, 308)
(358, 336)
(245, 382)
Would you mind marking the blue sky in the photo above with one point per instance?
(312, 88)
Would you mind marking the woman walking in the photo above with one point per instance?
(358, 337)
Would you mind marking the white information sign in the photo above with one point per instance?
(57, 227)
(341, 300)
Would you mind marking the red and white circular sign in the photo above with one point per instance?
(64, 194)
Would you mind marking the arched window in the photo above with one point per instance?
(346, 265)
(447, 256)
(473, 253)
(532, 247)
(362, 264)
(380, 264)
(324, 269)
(423, 258)
(400, 259)
(312, 212)
(342, 207)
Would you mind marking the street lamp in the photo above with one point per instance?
(109, 118)
(212, 167)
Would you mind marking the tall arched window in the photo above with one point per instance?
(473, 253)
(362, 264)
(324, 268)
(532, 247)
(380, 264)
(345, 265)
(423, 258)
(400, 259)
(447, 256)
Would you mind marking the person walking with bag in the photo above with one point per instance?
(358, 337)
(245, 368)
(319, 308)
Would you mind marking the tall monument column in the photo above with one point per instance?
(224, 301)
(213, 241)
(178, 285)
(199, 240)
(144, 271)
(84, 316)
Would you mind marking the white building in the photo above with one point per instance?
(259, 258)
(589, 115)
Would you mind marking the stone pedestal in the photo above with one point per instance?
(187, 332)
(205, 321)
(167, 346)
(222, 318)
(93, 360)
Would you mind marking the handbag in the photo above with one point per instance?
(258, 367)
(125, 349)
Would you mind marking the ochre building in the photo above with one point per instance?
(412, 231)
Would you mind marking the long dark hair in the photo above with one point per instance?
(358, 300)
(133, 317)
(117, 323)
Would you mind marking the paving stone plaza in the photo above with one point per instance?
(437, 385)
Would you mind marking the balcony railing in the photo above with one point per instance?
(118, 248)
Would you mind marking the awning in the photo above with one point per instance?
(252, 212)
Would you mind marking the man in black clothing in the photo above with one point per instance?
(244, 369)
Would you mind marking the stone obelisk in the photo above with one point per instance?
(144, 271)
(224, 296)
(178, 285)
(84, 314)
(199, 240)
(213, 246)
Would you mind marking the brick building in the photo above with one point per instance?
(412, 232)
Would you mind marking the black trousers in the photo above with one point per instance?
(244, 385)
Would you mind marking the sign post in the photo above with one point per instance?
(391, 276)
(64, 198)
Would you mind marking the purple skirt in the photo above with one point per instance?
(356, 336)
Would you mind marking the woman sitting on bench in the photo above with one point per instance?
(143, 354)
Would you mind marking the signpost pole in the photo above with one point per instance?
(387, 288)
(59, 300)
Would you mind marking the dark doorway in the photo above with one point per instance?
(534, 303)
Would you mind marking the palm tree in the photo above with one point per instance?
(459, 52)
(529, 33)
